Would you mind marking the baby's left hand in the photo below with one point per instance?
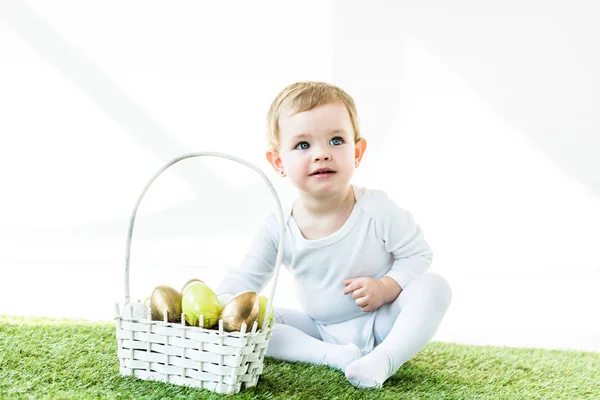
(368, 293)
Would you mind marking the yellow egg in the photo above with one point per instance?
(165, 299)
(188, 282)
(263, 300)
(242, 308)
(199, 300)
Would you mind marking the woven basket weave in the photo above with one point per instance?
(213, 359)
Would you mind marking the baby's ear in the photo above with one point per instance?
(274, 160)
(359, 149)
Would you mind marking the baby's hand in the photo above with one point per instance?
(368, 293)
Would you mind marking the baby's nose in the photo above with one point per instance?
(321, 155)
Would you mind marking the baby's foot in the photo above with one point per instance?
(342, 356)
(370, 371)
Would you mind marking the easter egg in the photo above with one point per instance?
(188, 282)
(242, 308)
(199, 299)
(165, 299)
(263, 300)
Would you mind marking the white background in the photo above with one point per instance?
(482, 120)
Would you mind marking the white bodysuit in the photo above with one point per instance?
(378, 239)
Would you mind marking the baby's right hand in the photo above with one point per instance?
(368, 293)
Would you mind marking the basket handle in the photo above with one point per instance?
(220, 155)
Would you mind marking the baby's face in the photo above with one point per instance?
(317, 149)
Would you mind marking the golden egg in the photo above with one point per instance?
(165, 299)
(242, 308)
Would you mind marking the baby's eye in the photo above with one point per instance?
(302, 146)
(336, 141)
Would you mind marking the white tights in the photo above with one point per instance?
(401, 329)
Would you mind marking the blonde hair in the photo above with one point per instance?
(304, 96)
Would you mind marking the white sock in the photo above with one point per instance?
(290, 344)
(424, 304)
(342, 356)
(371, 370)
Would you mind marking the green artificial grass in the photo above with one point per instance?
(66, 359)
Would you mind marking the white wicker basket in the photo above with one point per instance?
(223, 362)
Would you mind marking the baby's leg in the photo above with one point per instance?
(298, 320)
(295, 337)
(402, 329)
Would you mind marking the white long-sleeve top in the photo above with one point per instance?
(378, 239)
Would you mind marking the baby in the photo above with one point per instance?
(358, 261)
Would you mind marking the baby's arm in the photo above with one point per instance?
(404, 239)
(258, 264)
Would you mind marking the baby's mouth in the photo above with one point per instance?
(323, 171)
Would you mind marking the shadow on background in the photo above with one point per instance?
(100, 89)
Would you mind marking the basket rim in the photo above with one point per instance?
(215, 332)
